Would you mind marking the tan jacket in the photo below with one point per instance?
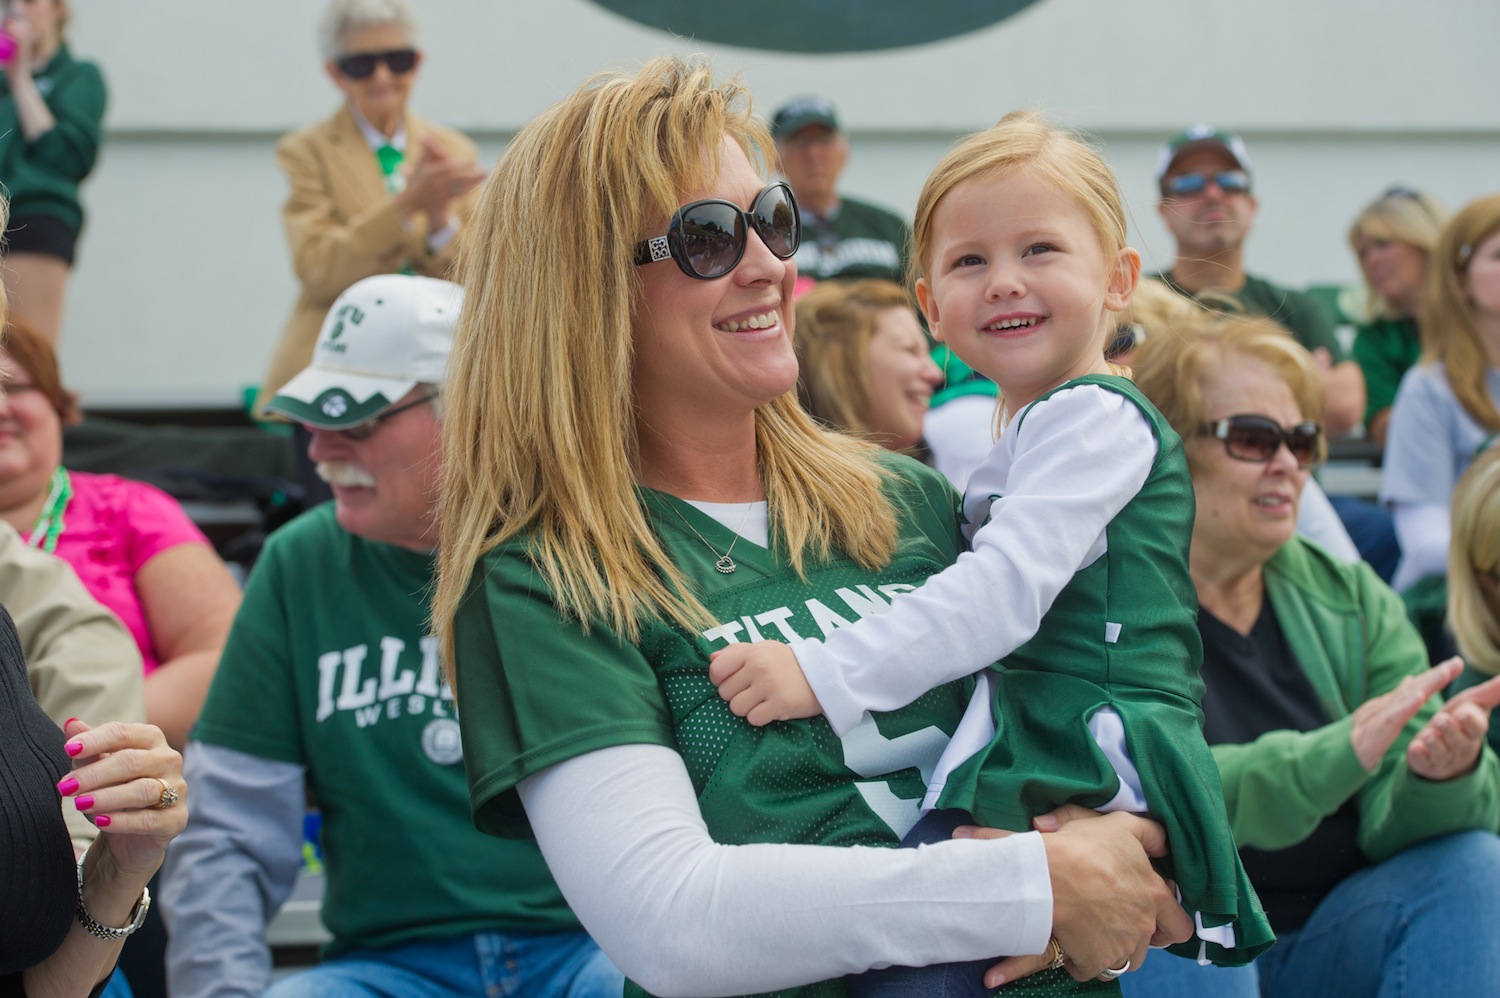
(80, 660)
(342, 225)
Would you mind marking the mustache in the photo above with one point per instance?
(345, 473)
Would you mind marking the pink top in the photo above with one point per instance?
(111, 528)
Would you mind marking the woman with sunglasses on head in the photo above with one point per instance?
(629, 482)
(1363, 806)
(1392, 238)
(1449, 404)
(375, 189)
(51, 124)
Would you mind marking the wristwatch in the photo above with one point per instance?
(105, 932)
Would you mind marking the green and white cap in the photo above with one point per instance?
(383, 336)
(1201, 136)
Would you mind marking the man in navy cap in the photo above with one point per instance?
(841, 238)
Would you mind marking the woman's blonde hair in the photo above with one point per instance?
(1449, 331)
(1474, 563)
(540, 433)
(1172, 369)
(835, 323)
(1400, 215)
(1025, 139)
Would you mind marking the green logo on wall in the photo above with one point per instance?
(818, 25)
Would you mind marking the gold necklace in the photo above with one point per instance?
(725, 565)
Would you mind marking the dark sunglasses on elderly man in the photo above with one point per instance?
(361, 66)
(1187, 184)
(707, 238)
(1258, 438)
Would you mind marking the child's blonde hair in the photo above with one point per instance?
(1024, 139)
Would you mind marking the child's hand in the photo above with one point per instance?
(762, 682)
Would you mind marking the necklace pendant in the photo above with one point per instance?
(725, 565)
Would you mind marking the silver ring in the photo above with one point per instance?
(1111, 974)
(169, 797)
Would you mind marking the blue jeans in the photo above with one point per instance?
(1421, 923)
(491, 964)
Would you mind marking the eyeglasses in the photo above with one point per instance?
(360, 432)
(1186, 184)
(361, 65)
(1258, 438)
(707, 238)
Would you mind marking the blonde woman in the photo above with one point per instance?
(1449, 404)
(863, 363)
(1474, 573)
(1393, 239)
(631, 269)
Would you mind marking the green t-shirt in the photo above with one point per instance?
(860, 240)
(1302, 314)
(330, 666)
(1385, 350)
(537, 690)
(41, 177)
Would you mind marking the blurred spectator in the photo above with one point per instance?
(133, 547)
(1203, 176)
(51, 111)
(374, 189)
(863, 363)
(1392, 238)
(80, 661)
(330, 684)
(841, 238)
(1449, 404)
(1474, 575)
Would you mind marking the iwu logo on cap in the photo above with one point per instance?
(335, 406)
(353, 315)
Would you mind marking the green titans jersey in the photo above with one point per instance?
(537, 690)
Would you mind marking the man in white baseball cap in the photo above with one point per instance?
(329, 683)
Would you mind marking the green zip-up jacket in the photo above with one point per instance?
(1350, 634)
(42, 177)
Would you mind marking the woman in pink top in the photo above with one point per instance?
(131, 544)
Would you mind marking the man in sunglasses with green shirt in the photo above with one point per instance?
(1203, 175)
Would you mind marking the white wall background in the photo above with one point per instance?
(183, 280)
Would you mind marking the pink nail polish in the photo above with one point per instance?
(67, 786)
(69, 721)
(102, 821)
(83, 802)
(73, 748)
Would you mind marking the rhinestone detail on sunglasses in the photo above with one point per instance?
(1228, 181)
(1254, 438)
(708, 238)
(361, 65)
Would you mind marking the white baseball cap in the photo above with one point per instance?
(383, 336)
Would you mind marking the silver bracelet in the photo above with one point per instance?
(98, 929)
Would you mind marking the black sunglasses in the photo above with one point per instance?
(707, 238)
(1185, 184)
(364, 431)
(361, 66)
(1258, 438)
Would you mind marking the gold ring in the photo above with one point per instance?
(1112, 973)
(169, 796)
(1054, 948)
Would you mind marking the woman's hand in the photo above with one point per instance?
(1449, 746)
(119, 779)
(18, 66)
(1109, 904)
(1379, 720)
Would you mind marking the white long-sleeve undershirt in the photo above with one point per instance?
(681, 914)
